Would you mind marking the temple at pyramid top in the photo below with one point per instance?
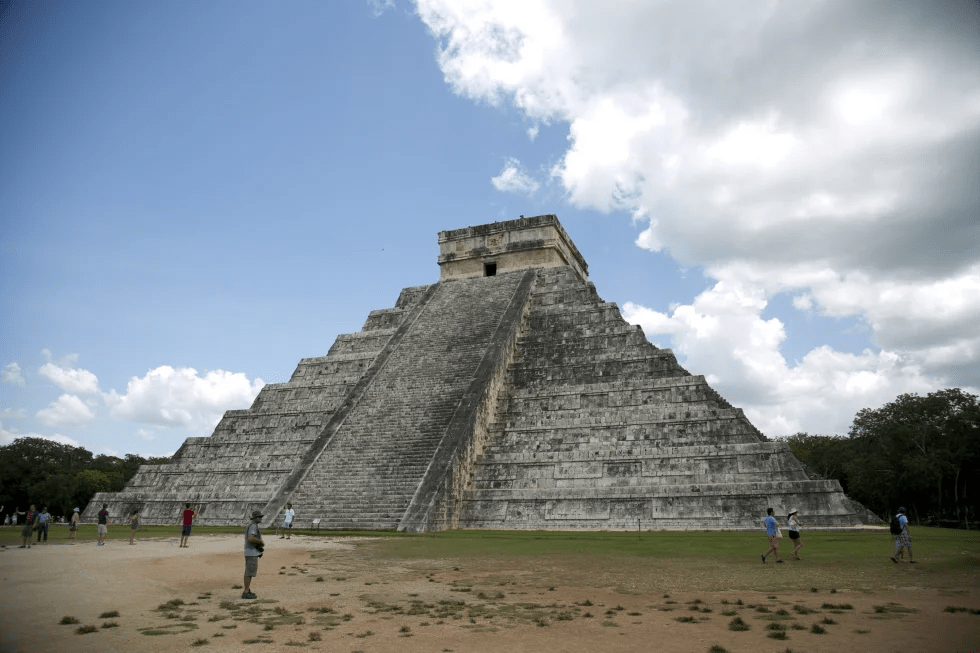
(485, 250)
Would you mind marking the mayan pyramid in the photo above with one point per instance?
(507, 395)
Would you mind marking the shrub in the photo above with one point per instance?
(109, 615)
(65, 621)
(737, 624)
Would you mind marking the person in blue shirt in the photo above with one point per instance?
(903, 539)
(772, 533)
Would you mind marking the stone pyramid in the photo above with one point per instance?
(507, 395)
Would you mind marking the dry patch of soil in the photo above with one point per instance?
(318, 594)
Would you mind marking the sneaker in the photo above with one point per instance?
(912, 562)
(894, 560)
(248, 595)
(779, 562)
(763, 559)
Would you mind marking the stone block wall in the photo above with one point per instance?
(602, 430)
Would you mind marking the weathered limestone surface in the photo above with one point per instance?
(604, 430)
(508, 395)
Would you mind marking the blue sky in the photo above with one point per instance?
(193, 197)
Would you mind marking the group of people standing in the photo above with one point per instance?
(899, 529)
(34, 522)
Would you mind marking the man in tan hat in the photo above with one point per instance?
(254, 546)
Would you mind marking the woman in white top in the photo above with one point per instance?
(793, 525)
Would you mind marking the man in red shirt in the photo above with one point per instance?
(188, 521)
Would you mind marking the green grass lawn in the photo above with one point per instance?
(710, 561)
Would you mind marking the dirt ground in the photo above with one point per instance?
(321, 595)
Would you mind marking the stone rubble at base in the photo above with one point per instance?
(519, 400)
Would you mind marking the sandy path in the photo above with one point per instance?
(42, 585)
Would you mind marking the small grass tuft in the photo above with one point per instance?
(110, 624)
(952, 609)
(82, 630)
(817, 629)
(778, 634)
(737, 624)
(109, 615)
(827, 621)
(65, 621)
(837, 606)
(315, 636)
(686, 620)
(717, 649)
(200, 642)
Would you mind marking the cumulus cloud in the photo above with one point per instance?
(11, 374)
(8, 436)
(77, 381)
(514, 179)
(66, 410)
(10, 413)
(168, 397)
(821, 149)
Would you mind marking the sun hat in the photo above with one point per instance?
(793, 511)
(256, 514)
(76, 509)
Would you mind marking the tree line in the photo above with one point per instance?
(920, 453)
(60, 476)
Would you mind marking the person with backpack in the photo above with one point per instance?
(899, 527)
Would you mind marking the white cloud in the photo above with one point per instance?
(11, 374)
(532, 132)
(379, 7)
(8, 436)
(67, 410)
(723, 331)
(168, 397)
(514, 179)
(803, 147)
(76, 381)
(10, 413)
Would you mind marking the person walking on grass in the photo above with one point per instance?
(103, 523)
(287, 521)
(772, 532)
(185, 533)
(254, 546)
(903, 539)
(793, 525)
(73, 526)
(134, 525)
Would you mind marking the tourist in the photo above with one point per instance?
(903, 539)
(134, 524)
(16, 512)
(793, 525)
(43, 523)
(73, 526)
(254, 546)
(772, 532)
(103, 523)
(287, 521)
(27, 532)
(185, 533)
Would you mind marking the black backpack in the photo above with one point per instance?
(894, 526)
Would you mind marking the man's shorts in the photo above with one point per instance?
(252, 566)
(773, 540)
(287, 524)
(186, 532)
(103, 529)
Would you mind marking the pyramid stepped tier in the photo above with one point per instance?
(602, 430)
(507, 395)
(252, 452)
